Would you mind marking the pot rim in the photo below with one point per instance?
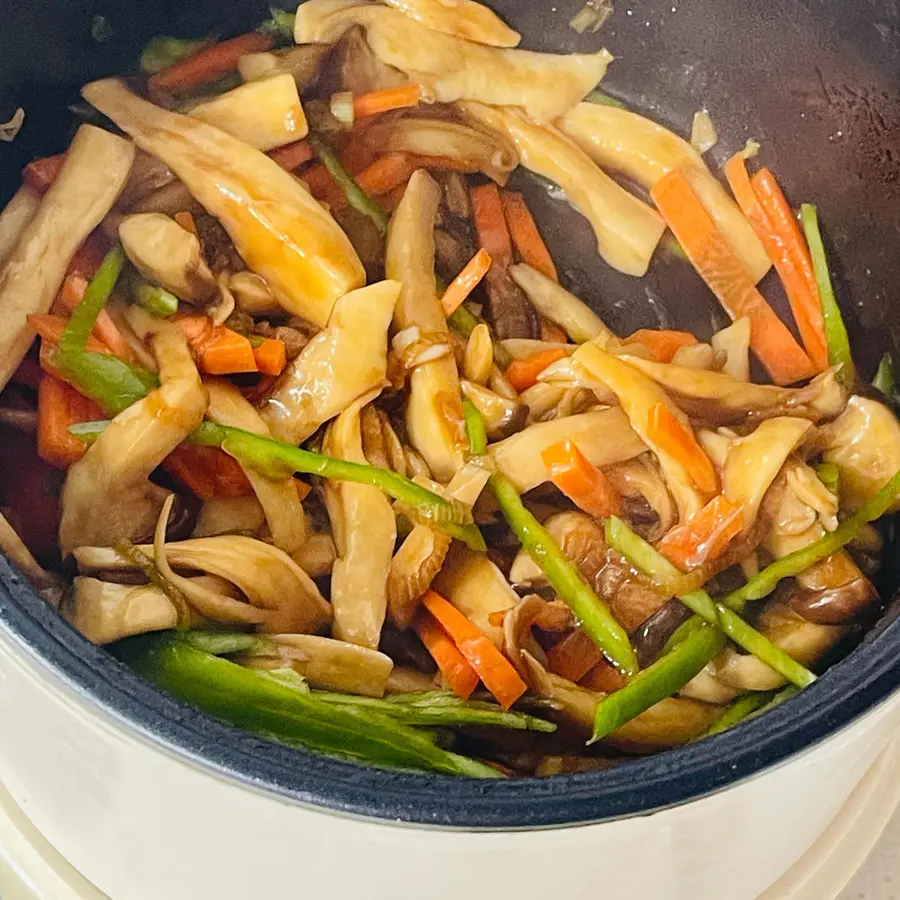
(845, 692)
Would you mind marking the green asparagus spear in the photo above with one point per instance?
(653, 564)
(762, 584)
(355, 195)
(835, 330)
(592, 613)
(668, 675)
(258, 702)
(156, 300)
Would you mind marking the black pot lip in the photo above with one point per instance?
(848, 690)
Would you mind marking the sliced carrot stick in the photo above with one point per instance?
(41, 173)
(194, 468)
(705, 536)
(739, 182)
(494, 669)
(467, 280)
(665, 429)
(460, 676)
(574, 656)
(105, 329)
(385, 174)
(726, 276)
(217, 349)
(209, 64)
(270, 356)
(303, 489)
(376, 102)
(581, 481)
(523, 373)
(292, 156)
(186, 220)
(788, 251)
(525, 235)
(59, 406)
(662, 343)
(50, 329)
(490, 223)
(226, 353)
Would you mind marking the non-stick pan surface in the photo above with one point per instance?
(817, 82)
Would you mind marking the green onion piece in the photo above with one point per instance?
(565, 578)
(668, 675)
(355, 195)
(763, 583)
(156, 300)
(278, 459)
(602, 99)
(440, 708)
(835, 330)
(163, 51)
(648, 560)
(475, 430)
(75, 336)
(112, 382)
(265, 705)
(463, 321)
(740, 709)
(830, 475)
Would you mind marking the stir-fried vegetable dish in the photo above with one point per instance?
(326, 448)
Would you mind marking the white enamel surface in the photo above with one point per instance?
(142, 824)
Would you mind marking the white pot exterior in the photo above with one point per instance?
(142, 823)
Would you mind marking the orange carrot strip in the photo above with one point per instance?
(303, 489)
(525, 235)
(523, 373)
(581, 481)
(41, 173)
(461, 677)
(787, 249)
(230, 480)
(376, 102)
(467, 280)
(662, 343)
(50, 329)
(727, 278)
(739, 182)
(705, 536)
(218, 350)
(225, 353)
(72, 291)
(494, 669)
(574, 656)
(193, 467)
(186, 221)
(292, 156)
(490, 223)
(385, 174)
(208, 64)
(270, 356)
(59, 406)
(665, 429)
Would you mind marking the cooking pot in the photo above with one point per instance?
(150, 799)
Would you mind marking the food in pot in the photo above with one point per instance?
(338, 458)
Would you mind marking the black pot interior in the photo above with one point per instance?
(815, 82)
